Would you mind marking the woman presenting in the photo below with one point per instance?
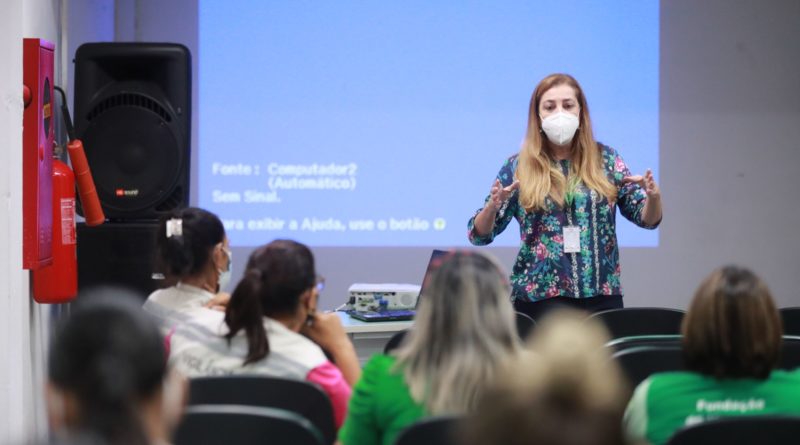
(563, 188)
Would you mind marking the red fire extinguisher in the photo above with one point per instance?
(58, 282)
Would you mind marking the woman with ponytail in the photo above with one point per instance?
(193, 249)
(108, 381)
(271, 327)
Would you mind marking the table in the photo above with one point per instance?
(370, 337)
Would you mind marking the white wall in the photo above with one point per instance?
(14, 315)
(86, 21)
(730, 149)
(23, 323)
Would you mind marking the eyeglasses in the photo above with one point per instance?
(320, 283)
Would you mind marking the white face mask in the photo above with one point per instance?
(560, 128)
(225, 275)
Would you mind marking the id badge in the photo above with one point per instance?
(572, 239)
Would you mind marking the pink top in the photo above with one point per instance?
(330, 378)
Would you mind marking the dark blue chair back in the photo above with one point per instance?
(773, 430)
(641, 362)
(298, 396)
(791, 320)
(395, 341)
(525, 324)
(440, 430)
(244, 425)
(632, 321)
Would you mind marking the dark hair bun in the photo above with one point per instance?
(187, 252)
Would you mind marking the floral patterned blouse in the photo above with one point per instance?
(542, 268)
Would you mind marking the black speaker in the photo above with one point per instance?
(121, 254)
(133, 113)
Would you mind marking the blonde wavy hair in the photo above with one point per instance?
(464, 332)
(564, 389)
(538, 176)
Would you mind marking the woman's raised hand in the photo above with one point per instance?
(499, 194)
(647, 182)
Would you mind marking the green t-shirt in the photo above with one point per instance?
(666, 402)
(380, 406)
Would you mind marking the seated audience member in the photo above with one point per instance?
(192, 246)
(271, 327)
(731, 346)
(107, 376)
(565, 390)
(463, 332)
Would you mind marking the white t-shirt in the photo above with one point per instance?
(199, 348)
(177, 304)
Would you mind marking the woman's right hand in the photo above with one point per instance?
(499, 194)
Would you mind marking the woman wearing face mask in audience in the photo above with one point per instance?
(563, 189)
(108, 381)
(271, 327)
(193, 248)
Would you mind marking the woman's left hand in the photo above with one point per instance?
(327, 331)
(647, 182)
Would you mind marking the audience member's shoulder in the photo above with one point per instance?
(380, 362)
(160, 293)
(211, 319)
(380, 365)
(666, 382)
(792, 375)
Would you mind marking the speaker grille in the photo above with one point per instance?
(128, 100)
(173, 201)
(133, 113)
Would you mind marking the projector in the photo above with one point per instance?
(376, 297)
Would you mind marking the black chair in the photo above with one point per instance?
(297, 396)
(773, 430)
(791, 320)
(632, 321)
(525, 324)
(244, 425)
(431, 431)
(640, 362)
(644, 355)
(395, 341)
(790, 353)
(619, 344)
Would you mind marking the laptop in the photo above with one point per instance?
(399, 314)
